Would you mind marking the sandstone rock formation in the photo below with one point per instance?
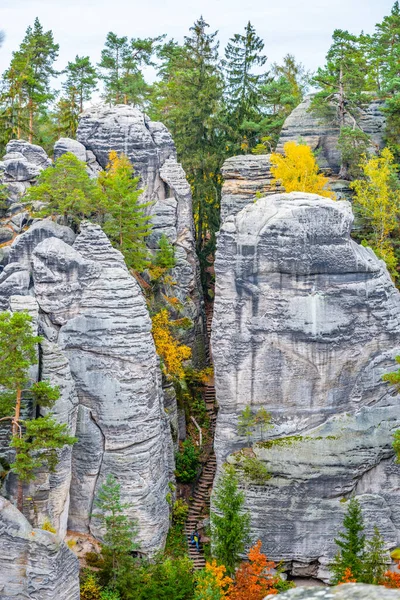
(305, 323)
(151, 150)
(99, 350)
(245, 177)
(34, 564)
(342, 592)
(322, 136)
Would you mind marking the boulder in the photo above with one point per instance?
(34, 564)
(33, 154)
(305, 324)
(64, 145)
(322, 135)
(349, 591)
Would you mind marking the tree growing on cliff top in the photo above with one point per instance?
(35, 440)
(230, 523)
(243, 54)
(297, 171)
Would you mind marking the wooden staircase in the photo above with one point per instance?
(199, 507)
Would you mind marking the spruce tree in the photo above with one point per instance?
(35, 440)
(242, 54)
(126, 222)
(119, 531)
(376, 559)
(230, 524)
(188, 99)
(351, 544)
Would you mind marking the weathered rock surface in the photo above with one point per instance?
(322, 135)
(305, 324)
(34, 564)
(342, 592)
(151, 150)
(245, 177)
(99, 350)
(64, 145)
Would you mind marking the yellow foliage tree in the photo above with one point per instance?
(213, 582)
(297, 171)
(172, 353)
(377, 196)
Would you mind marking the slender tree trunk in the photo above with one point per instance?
(17, 412)
(30, 120)
(20, 496)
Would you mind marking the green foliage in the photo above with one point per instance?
(353, 145)
(126, 222)
(351, 543)
(38, 446)
(230, 524)
(187, 462)
(255, 470)
(166, 579)
(120, 532)
(249, 420)
(81, 80)
(165, 257)
(26, 89)
(376, 559)
(243, 54)
(179, 512)
(67, 189)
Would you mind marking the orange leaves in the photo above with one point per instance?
(172, 353)
(392, 579)
(254, 579)
(348, 577)
(297, 171)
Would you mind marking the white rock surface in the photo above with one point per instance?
(305, 323)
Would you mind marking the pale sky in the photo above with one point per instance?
(299, 27)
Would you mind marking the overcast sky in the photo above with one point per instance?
(300, 27)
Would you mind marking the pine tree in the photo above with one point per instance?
(35, 440)
(28, 78)
(386, 51)
(230, 524)
(126, 223)
(67, 189)
(246, 423)
(119, 531)
(376, 559)
(121, 63)
(351, 544)
(81, 80)
(242, 54)
(189, 100)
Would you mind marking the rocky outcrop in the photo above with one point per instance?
(245, 177)
(151, 150)
(34, 564)
(322, 135)
(305, 323)
(343, 592)
(99, 350)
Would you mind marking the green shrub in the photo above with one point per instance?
(187, 462)
(255, 470)
(165, 256)
(179, 512)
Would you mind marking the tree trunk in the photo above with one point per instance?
(20, 496)
(15, 428)
(30, 120)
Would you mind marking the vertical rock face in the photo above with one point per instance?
(306, 322)
(322, 135)
(245, 177)
(34, 564)
(150, 148)
(99, 350)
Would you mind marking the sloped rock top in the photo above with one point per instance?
(342, 592)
